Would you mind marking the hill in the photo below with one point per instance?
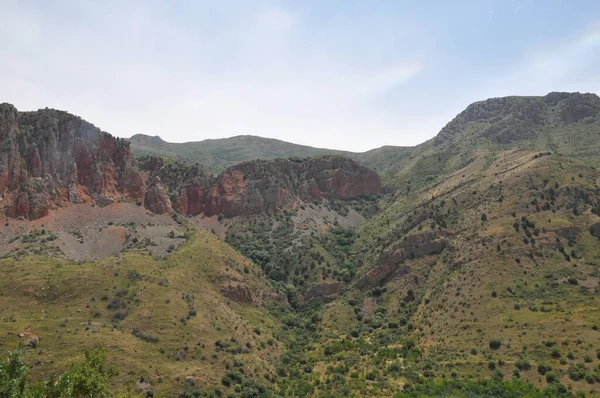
(564, 123)
(476, 275)
(149, 314)
(218, 154)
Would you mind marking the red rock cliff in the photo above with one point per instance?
(49, 157)
(256, 186)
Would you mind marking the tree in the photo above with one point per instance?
(88, 379)
(13, 375)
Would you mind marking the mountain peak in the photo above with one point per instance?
(504, 120)
(142, 139)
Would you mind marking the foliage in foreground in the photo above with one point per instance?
(87, 379)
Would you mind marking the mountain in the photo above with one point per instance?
(50, 158)
(473, 272)
(564, 123)
(485, 263)
(218, 154)
(487, 254)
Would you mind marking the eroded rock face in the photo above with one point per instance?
(257, 186)
(323, 292)
(156, 199)
(253, 187)
(392, 262)
(48, 157)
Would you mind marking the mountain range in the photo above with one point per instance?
(464, 266)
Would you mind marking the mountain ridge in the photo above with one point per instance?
(482, 261)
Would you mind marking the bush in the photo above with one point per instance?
(483, 217)
(577, 372)
(543, 368)
(144, 336)
(87, 379)
(495, 344)
(551, 377)
(523, 364)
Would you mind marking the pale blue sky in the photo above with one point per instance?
(340, 74)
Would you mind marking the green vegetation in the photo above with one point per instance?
(478, 276)
(87, 379)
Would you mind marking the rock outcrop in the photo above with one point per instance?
(507, 120)
(49, 158)
(391, 262)
(323, 292)
(257, 186)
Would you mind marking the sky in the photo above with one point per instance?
(342, 74)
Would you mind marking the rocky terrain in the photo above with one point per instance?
(83, 232)
(255, 187)
(50, 158)
(475, 271)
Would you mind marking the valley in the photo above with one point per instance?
(464, 266)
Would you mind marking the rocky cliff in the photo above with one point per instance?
(49, 158)
(257, 186)
(507, 120)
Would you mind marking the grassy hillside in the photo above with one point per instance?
(491, 273)
(219, 154)
(478, 276)
(169, 326)
(564, 123)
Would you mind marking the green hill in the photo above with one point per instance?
(218, 154)
(477, 275)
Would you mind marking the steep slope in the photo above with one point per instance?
(564, 123)
(497, 263)
(254, 187)
(49, 157)
(485, 264)
(170, 326)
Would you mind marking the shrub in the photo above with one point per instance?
(543, 368)
(495, 344)
(523, 364)
(144, 336)
(577, 372)
(551, 377)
